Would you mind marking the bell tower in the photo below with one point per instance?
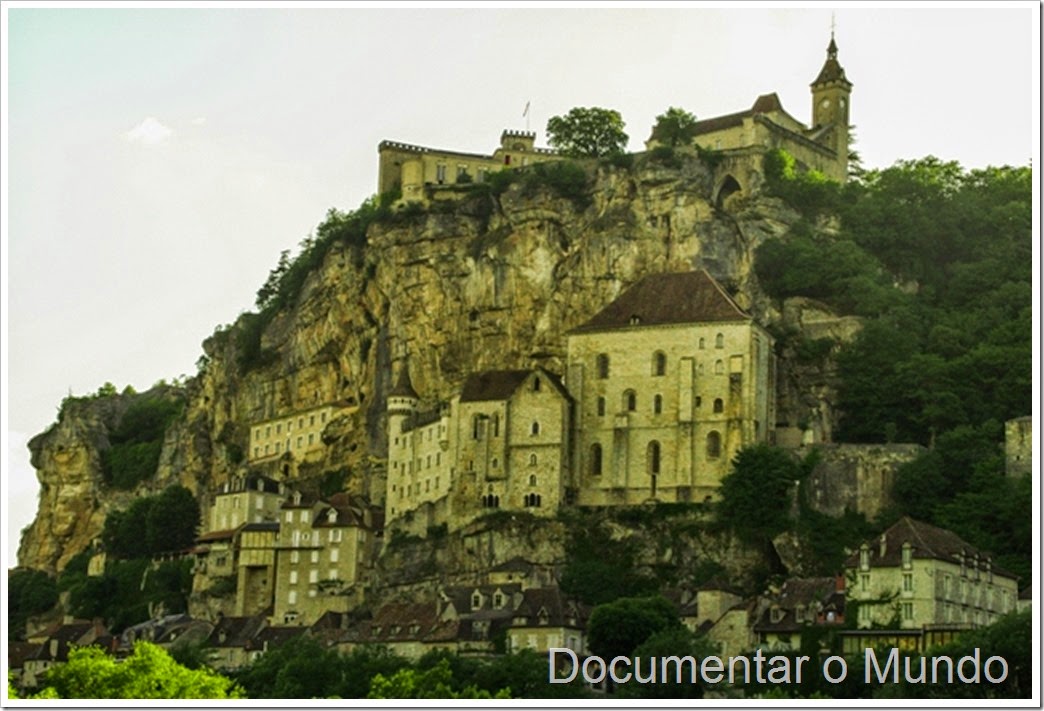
(831, 92)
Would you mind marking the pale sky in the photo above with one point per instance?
(158, 160)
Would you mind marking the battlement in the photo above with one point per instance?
(415, 170)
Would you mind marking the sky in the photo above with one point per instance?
(156, 161)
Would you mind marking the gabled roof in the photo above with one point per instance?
(495, 385)
(764, 104)
(926, 542)
(661, 299)
(235, 631)
(547, 607)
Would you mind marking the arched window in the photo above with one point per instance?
(532, 480)
(535, 429)
(703, 343)
(719, 367)
(532, 460)
(653, 457)
(713, 445)
(476, 427)
(596, 460)
(719, 341)
(630, 401)
(602, 366)
(719, 405)
(657, 404)
(659, 363)
(601, 407)
(494, 462)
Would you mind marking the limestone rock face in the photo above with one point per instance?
(475, 283)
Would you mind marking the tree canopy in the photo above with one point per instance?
(591, 132)
(148, 673)
(674, 127)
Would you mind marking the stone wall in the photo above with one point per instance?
(856, 477)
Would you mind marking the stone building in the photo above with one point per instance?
(418, 170)
(246, 499)
(502, 443)
(322, 550)
(766, 125)
(670, 380)
(1018, 446)
(297, 433)
(916, 576)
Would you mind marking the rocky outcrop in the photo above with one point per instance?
(482, 281)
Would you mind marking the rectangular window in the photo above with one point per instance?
(289, 516)
(440, 173)
(303, 518)
(311, 438)
(335, 536)
(313, 576)
(335, 554)
(295, 556)
(293, 577)
(908, 582)
(333, 574)
(315, 556)
(291, 598)
(864, 582)
(908, 611)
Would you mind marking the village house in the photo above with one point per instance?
(917, 576)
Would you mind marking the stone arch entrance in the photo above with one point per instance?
(729, 186)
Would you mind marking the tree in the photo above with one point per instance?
(674, 127)
(29, 592)
(587, 133)
(300, 669)
(172, 520)
(434, 683)
(675, 641)
(149, 673)
(755, 493)
(617, 628)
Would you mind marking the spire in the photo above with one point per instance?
(404, 388)
(832, 70)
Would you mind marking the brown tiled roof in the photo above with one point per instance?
(926, 541)
(225, 535)
(764, 104)
(238, 631)
(276, 636)
(18, 652)
(560, 612)
(831, 70)
(404, 386)
(492, 385)
(660, 299)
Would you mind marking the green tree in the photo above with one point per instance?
(755, 493)
(587, 133)
(434, 683)
(300, 669)
(148, 673)
(29, 592)
(674, 127)
(674, 641)
(617, 628)
(172, 520)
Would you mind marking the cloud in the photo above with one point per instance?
(149, 132)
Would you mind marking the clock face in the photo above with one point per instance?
(824, 104)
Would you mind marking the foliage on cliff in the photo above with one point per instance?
(945, 359)
(138, 438)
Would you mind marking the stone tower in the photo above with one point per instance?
(831, 92)
(402, 402)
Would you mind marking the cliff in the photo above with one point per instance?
(479, 280)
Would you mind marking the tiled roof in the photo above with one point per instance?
(548, 607)
(831, 70)
(18, 652)
(926, 541)
(235, 631)
(660, 299)
(492, 385)
(766, 103)
(225, 535)
(272, 637)
(404, 386)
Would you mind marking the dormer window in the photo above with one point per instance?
(635, 319)
(776, 615)
(476, 601)
(864, 557)
(331, 516)
(907, 555)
